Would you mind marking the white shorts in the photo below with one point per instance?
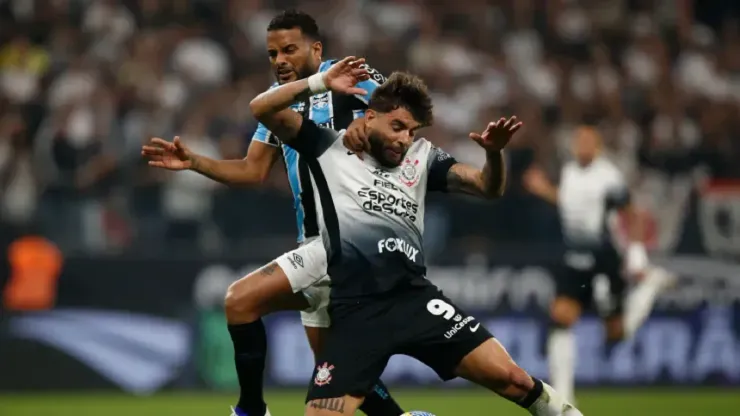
(306, 269)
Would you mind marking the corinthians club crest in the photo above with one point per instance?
(409, 172)
(323, 374)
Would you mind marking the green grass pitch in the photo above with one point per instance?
(442, 402)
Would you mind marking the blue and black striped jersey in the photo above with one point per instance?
(328, 110)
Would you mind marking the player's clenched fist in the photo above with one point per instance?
(355, 139)
(497, 134)
(345, 74)
(168, 155)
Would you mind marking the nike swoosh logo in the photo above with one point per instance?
(475, 327)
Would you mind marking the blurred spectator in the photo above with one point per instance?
(187, 195)
(22, 65)
(84, 83)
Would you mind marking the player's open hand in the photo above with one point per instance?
(497, 134)
(168, 155)
(356, 138)
(345, 74)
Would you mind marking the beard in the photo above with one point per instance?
(377, 151)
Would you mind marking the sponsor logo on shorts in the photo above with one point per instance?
(323, 374)
(390, 245)
(460, 325)
(296, 260)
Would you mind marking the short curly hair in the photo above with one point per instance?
(291, 19)
(404, 90)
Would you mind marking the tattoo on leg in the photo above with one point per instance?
(332, 405)
(269, 269)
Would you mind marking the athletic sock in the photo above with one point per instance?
(640, 301)
(561, 347)
(250, 348)
(548, 402)
(380, 403)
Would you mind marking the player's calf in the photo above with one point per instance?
(247, 300)
(561, 345)
(337, 406)
(490, 366)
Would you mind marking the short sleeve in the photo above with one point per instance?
(439, 164)
(376, 79)
(618, 194)
(313, 140)
(263, 135)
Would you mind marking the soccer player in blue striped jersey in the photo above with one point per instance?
(295, 52)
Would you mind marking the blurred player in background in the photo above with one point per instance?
(591, 191)
(295, 51)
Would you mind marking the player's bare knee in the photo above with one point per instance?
(240, 304)
(614, 330)
(564, 312)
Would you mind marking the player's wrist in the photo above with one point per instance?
(317, 83)
(194, 162)
(637, 258)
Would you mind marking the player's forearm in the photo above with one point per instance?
(280, 98)
(271, 108)
(636, 225)
(549, 194)
(493, 175)
(637, 257)
(228, 172)
(488, 182)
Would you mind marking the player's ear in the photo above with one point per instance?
(370, 114)
(317, 48)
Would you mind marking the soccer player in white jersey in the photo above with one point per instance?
(295, 51)
(591, 191)
(371, 221)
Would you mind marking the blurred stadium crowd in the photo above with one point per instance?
(83, 83)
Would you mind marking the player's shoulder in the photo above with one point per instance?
(327, 64)
(608, 169)
(421, 146)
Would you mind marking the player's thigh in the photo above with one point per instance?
(276, 287)
(261, 292)
(573, 288)
(612, 267)
(490, 366)
(613, 319)
(440, 334)
(337, 406)
(316, 319)
(351, 359)
(315, 336)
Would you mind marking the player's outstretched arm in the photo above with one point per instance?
(272, 106)
(490, 181)
(536, 182)
(250, 171)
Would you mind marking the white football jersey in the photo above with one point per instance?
(587, 197)
(371, 217)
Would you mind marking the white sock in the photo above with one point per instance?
(561, 346)
(552, 403)
(640, 301)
